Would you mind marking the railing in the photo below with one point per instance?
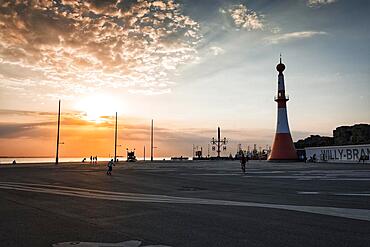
(277, 97)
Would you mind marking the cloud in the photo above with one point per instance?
(275, 39)
(16, 130)
(76, 46)
(215, 50)
(245, 18)
(318, 3)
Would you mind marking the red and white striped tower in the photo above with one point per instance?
(283, 147)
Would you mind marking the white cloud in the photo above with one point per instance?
(245, 18)
(79, 46)
(292, 36)
(215, 50)
(318, 3)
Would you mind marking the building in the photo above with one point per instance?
(357, 134)
(349, 135)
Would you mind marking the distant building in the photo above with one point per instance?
(343, 135)
(314, 141)
(352, 135)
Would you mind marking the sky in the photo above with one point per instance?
(190, 65)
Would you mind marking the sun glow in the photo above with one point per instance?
(96, 108)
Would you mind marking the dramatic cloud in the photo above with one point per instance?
(245, 18)
(318, 3)
(292, 36)
(75, 46)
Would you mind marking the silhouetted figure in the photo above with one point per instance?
(243, 161)
(363, 158)
(83, 160)
(91, 158)
(110, 167)
(96, 159)
(14, 162)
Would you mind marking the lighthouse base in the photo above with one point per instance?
(283, 148)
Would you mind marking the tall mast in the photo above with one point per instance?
(57, 154)
(151, 143)
(218, 142)
(115, 141)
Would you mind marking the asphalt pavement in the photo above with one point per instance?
(190, 203)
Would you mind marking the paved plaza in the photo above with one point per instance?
(192, 203)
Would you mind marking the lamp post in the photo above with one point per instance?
(151, 143)
(57, 153)
(115, 141)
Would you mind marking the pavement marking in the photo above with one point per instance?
(352, 194)
(347, 179)
(131, 243)
(335, 194)
(324, 175)
(350, 213)
(308, 192)
(213, 174)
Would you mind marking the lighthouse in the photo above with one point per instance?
(282, 148)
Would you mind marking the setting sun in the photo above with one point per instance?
(96, 107)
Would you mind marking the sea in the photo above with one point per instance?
(9, 160)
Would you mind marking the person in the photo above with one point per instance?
(363, 158)
(96, 159)
(110, 167)
(243, 161)
(90, 158)
(83, 160)
(14, 162)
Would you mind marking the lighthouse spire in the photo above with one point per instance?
(282, 147)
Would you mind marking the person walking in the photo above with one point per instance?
(243, 161)
(110, 167)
